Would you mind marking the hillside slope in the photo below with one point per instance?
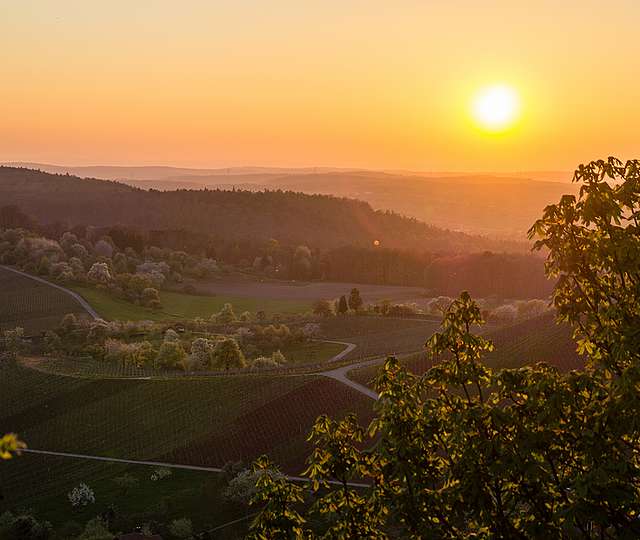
(493, 204)
(318, 220)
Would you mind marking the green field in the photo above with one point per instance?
(183, 306)
(42, 483)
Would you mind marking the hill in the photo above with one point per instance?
(320, 221)
(494, 204)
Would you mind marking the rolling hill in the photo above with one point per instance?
(494, 204)
(321, 221)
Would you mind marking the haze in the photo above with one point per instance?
(345, 84)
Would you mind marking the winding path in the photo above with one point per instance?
(85, 305)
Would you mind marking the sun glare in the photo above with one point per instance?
(496, 108)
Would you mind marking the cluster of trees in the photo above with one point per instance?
(322, 221)
(486, 273)
(96, 259)
(197, 345)
(325, 237)
(465, 451)
(492, 309)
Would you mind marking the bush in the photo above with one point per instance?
(226, 315)
(81, 495)
(181, 528)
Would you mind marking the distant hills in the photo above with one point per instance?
(495, 205)
(319, 221)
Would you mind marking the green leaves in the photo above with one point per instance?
(466, 452)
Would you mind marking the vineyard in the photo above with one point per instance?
(239, 416)
(32, 305)
(379, 336)
(525, 343)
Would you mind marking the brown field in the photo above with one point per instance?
(378, 336)
(525, 343)
(304, 290)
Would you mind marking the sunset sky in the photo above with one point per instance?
(377, 84)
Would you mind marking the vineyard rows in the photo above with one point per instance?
(32, 305)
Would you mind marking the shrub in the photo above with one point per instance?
(181, 528)
(171, 355)
(226, 315)
(99, 273)
(81, 495)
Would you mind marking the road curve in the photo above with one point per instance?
(340, 375)
(348, 348)
(85, 305)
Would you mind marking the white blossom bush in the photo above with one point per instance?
(506, 313)
(81, 495)
(436, 306)
(99, 273)
(242, 487)
(160, 474)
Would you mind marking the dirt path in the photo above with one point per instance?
(85, 305)
(341, 354)
(163, 464)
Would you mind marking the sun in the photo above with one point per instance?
(496, 108)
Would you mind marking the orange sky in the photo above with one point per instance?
(376, 84)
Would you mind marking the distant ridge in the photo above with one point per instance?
(320, 221)
(494, 205)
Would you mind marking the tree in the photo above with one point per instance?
(355, 301)
(202, 354)
(342, 305)
(99, 273)
(323, 308)
(23, 527)
(465, 451)
(181, 528)
(227, 354)
(151, 298)
(226, 315)
(171, 355)
(81, 495)
(243, 487)
(52, 341)
(12, 341)
(96, 529)
(69, 323)
(103, 249)
(126, 482)
(278, 357)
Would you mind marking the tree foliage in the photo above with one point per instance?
(468, 452)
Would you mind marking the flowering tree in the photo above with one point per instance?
(99, 273)
(81, 495)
